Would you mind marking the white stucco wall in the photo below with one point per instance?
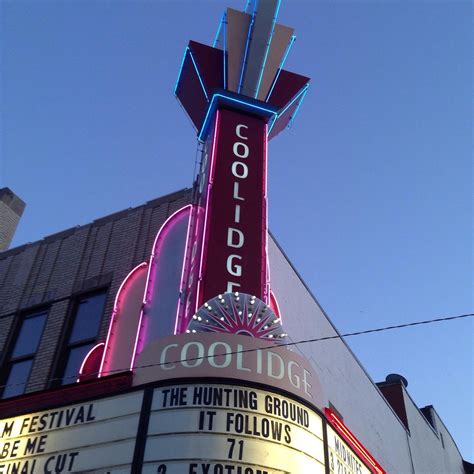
(349, 388)
(453, 457)
(429, 455)
(346, 385)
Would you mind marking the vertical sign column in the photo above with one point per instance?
(235, 231)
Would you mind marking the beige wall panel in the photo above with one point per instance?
(281, 38)
(261, 33)
(237, 30)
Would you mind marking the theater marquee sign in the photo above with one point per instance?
(251, 412)
(204, 428)
(100, 434)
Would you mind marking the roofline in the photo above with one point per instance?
(97, 222)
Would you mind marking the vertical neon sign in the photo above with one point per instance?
(226, 249)
(234, 250)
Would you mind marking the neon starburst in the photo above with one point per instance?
(237, 313)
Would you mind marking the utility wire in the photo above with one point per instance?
(273, 346)
(305, 341)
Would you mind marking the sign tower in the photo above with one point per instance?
(238, 96)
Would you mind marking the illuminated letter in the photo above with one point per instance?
(245, 152)
(232, 268)
(230, 286)
(238, 133)
(236, 192)
(307, 386)
(7, 429)
(46, 465)
(271, 355)
(163, 357)
(245, 170)
(226, 353)
(295, 380)
(240, 365)
(237, 214)
(259, 361)
(230, 238)
(195, 361)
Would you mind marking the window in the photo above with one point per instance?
(87, 316)
(20, 361)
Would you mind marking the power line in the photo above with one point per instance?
(317, 339)
(286, 344)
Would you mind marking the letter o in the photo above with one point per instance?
(245, 170)
(197, 361)
(236, 147)
(227, 352)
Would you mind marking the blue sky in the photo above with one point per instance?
(370, 191)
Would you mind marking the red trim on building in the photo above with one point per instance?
(74, 393)
(353, 442)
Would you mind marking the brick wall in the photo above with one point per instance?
(50, 272)
(11, 209)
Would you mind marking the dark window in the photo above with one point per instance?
(86, 319)
(22, 354)
(74, 360)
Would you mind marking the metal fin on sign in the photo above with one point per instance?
(245, 63)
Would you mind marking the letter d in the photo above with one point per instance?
(230, 238)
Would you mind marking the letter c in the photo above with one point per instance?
(163, 357)
(238, 133)
(46, 465)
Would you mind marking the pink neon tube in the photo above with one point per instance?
(209, 190)
(115, 310)
(152, 264)
(86, 358)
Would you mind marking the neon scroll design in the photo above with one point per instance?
(119, 344)
(90, 365)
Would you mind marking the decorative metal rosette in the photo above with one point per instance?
(237, 313)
